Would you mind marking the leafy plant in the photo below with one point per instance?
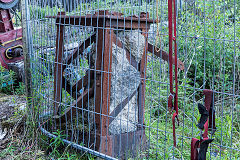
(8, 84)
(56, 143)
(6, 80)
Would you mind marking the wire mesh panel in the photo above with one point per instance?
(113, 77)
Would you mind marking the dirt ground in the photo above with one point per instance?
(10, 109)
(9, 104)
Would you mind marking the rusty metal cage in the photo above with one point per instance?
(112, 77)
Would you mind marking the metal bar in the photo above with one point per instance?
(127, 24)
(170, 37)
(83, 82)
(77, 146)
(209, 105)
(79, 84)
(58, 70)
(80, 102)
(142, 88)
(164, 55)
(77, 20)
(105, 140)
(130, 58)
(120, 107)
(81, 48)
(98, 94)
(124, 23)
(107, 68)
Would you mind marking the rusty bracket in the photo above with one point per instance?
(209, 104)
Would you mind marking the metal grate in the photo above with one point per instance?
(101, 75)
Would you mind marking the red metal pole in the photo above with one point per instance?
(170, 44)
(171, 39)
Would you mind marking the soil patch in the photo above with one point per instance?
(10, 114)
(9, 104)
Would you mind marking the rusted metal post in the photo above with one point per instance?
(106, 146)
(58, 67)
(98, 75)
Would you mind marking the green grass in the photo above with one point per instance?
(218, 58)
(156, 113)
(206, 46)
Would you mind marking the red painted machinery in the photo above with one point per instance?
(10, 38)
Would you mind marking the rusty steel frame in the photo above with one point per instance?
(106, 143)
(104, 37)
(110, 107)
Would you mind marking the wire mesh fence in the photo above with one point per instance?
(113, 77)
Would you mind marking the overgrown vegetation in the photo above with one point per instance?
(208, 44)
(6, 80)
(8, 83)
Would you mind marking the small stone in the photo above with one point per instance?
(134, 42)
(12, 105)
(22, 107)
(3, 117)
(3, 133)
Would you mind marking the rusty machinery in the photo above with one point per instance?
(104, 23)
(10, 38)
